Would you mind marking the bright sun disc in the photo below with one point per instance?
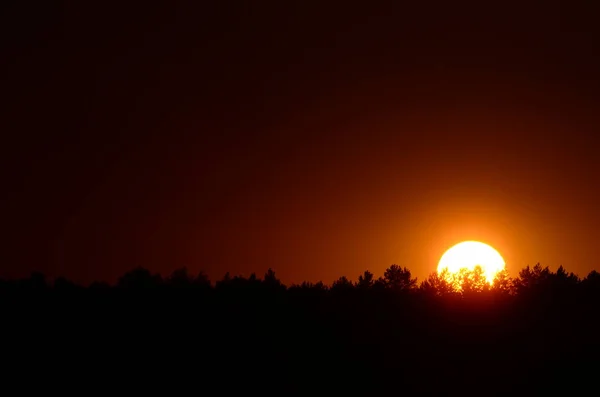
(468, 254)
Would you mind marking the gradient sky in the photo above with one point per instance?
(317, 140)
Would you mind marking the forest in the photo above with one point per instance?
(534, 332)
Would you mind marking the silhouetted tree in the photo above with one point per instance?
(399, 279)
(379, 284)
(472, 281)
(320, 286)
(305, 285)
(591, 285)
(225, 282)
(308, 286)
(502, 284)
(342, 284)
(202, 281)
(365, 280)
(272, 282)
(593, 277)
(438, 284)
(139, 278)
(592, 280)
(564, 280)
(532, 279)
(36, 282)
(180, 278)
(240, 283)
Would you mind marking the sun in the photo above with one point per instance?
(468, 254)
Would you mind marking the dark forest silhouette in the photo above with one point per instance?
(537, 331)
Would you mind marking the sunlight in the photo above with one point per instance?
(469, 254)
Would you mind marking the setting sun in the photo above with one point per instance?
(469, 254)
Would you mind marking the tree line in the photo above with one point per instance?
(366, 336)
(398, 279)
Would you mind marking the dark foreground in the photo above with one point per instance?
(299, 342)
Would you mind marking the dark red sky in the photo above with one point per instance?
(317, 140)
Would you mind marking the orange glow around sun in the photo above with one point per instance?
(469, 254)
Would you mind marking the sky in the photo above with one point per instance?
(318, 140)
